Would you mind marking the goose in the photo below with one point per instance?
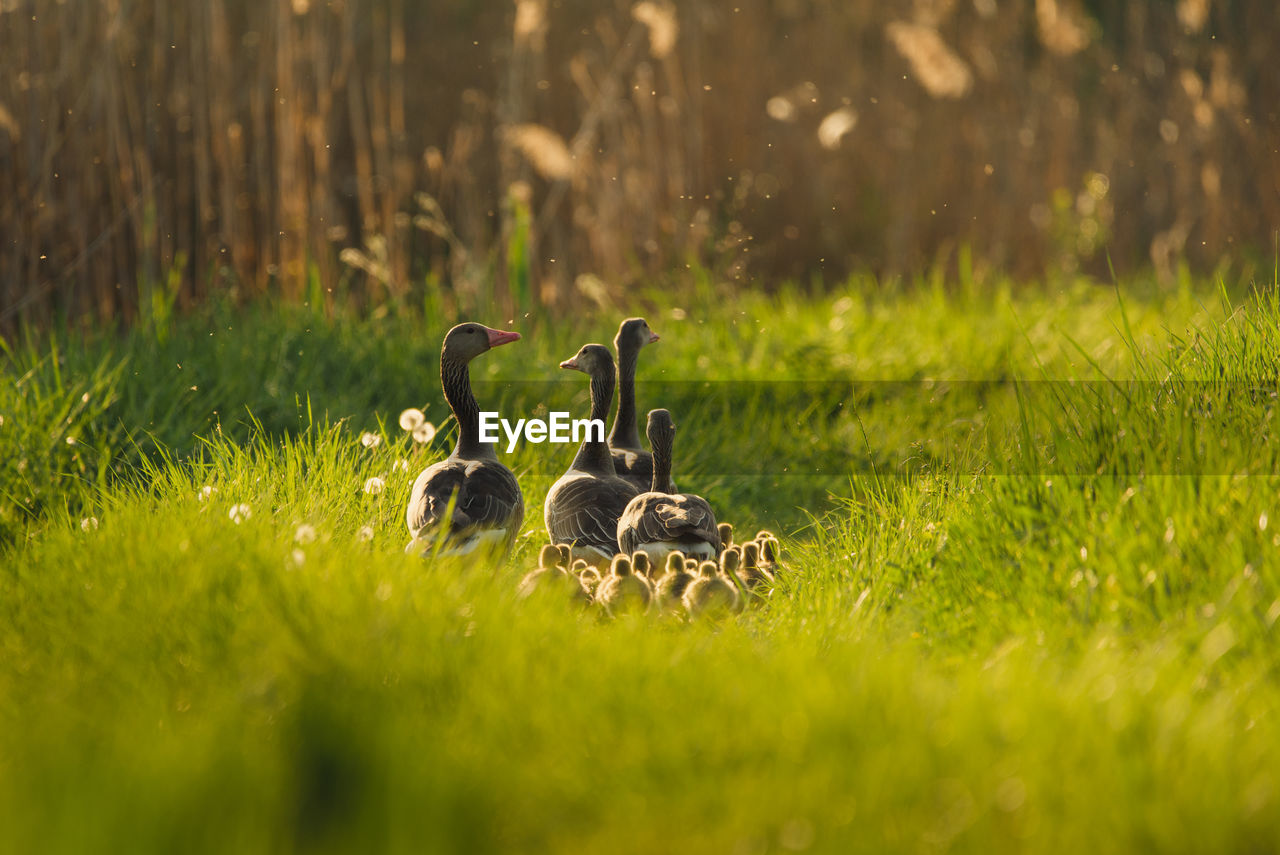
(487, 505)
(582, 508)
(672, 585)
(657, 522)
(623, 590)
(630, 460)
(711, 594)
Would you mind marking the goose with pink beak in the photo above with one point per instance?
(469, 500)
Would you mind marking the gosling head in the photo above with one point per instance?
(707, 569)
(566, 554)
(640, 563)
(621, 565)
(731, 560)
(751, 555)
(549, 556)
(726, 534)
(675, 562)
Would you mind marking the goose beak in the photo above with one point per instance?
(570, 363)
(653, 336)
(497, 337)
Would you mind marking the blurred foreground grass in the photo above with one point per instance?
(1023, 613)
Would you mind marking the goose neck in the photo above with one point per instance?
(625, 433)
(593, 455)
(455, 379)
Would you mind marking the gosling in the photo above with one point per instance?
(711, 594)
(623, 591)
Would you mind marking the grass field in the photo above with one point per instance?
(1031, 601)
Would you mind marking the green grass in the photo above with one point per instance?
(1022, 614)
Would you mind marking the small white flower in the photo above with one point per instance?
(239, 513)
(411, 418)
(206, 492)
(89, 524)
(400, 466)
(305, 534)
(424, 432)
(370, 440)
(365, 533)
(298, 557)
(374, 486)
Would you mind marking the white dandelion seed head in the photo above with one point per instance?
(365, 533)
(424, 432)
(374, 485)
(239, 513)
(411, 418)
(370, 440)
(89, 524)
(206, 491)
(305, 533)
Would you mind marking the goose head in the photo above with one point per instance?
(633, 334)
(661, 432)
(465, 342)
(592, 359)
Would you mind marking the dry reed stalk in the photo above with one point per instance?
(144, 139)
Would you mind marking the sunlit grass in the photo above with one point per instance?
(1018, 616)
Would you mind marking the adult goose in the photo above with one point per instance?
(658, 522)
(630, 460)
(489, 506)
(583, 507)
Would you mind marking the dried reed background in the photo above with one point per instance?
(155, 151)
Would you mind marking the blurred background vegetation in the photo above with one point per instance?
(550, 152)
